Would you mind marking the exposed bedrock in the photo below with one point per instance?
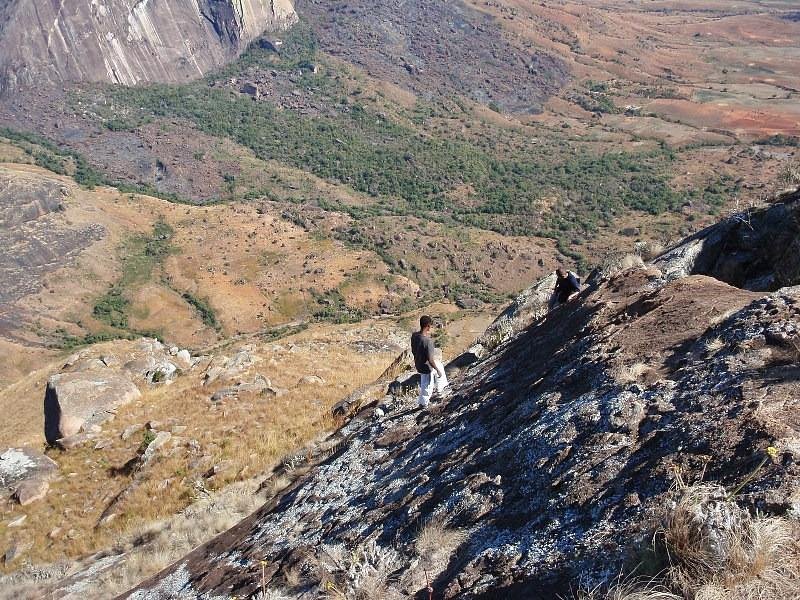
(128, 41)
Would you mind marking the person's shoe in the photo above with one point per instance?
(443, 395)
(422, 405)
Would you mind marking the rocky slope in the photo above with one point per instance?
(439, 48)
(127, 41)
(548, 465)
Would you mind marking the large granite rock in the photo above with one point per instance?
(25, 473)
(128, 41)
(75, 401)
(36, 239)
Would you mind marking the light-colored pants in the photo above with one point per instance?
(430, 383)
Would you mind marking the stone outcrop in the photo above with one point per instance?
(550, 458)
(128, 41)
(22, 464)
(755, 249)
(35, 237)
(76, 401)
(96, 381)
(25, 473)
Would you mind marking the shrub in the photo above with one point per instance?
(202, 306)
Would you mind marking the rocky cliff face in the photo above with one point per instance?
(549, 464)
(128, 41)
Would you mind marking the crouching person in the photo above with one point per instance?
(431, 370)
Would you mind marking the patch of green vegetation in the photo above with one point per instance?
(282, 332)
(203, 307)
(780, 139)
(413, 165)
(333, 308)
(298, 51)
(140, 255)
(408, 173)
(112, 308)
(67, 341)
(49, 156)
(148, 437)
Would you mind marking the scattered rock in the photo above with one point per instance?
(106, 520)
(73, 441)
(184, 359)
(162, 437)
(15, 551)
(21, 464)
(130, 430)
(466, 303)
(18, 522)
(311, 380)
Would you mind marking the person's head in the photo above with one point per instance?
(561, 273)
(425, 323)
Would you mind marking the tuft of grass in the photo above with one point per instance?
(715, 549)
(630, 373)
(437, 537)
(628, 590)
(714, 345)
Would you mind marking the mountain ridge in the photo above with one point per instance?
(554, 454)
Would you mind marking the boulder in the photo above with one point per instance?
(260, 385)
(15, 551)
(225, 369)
(18, 465)
(162, 437)
(73, 441)
(150, 361)
(184, 359)
(18, 522)
(311, 380)
(405, 384)
(130, 430)
(80, 399)
(31, 491)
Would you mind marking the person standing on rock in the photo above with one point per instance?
(431, 371)
(567, 287)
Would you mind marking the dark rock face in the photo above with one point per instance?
(754, 249)
(128, 41)
(552, 455)
(433, 47)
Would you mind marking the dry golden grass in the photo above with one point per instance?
(630, 373)
(436, 537)
(242, 437)
(628, 590)
(718, 550)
